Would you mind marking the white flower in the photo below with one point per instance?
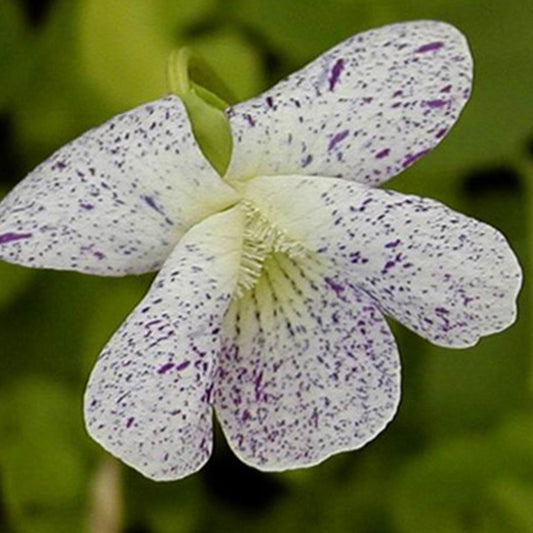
(268, 306)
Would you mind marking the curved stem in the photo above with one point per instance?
(187, 71)
(178, 71)
(105, 506)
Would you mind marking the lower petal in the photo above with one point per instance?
(148, 401)
(309, 368)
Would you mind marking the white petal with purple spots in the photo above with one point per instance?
(364, 111)
(309, 368)
(148, 400)
(116, 200)
(446, 276)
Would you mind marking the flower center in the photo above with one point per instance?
(262, 239)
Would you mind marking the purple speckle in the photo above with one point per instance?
(307, 160)
(388, 265)
(257, 385)
(165, 368)
(59, 165)
(337, 288)
(441, 133)
(337, 138)
(151, 202)
(393, 244)
(383, 153)
(9, 237)
(314, 418)
(208, 393)
(336, 71)
(446, 89)
(414, 157)
(86, 206)
(430, 47)
(129, 423)
(182, 366)
(436, 104)
(250, 119)
(270, 101)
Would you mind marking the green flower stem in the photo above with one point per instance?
(204, 107)
(178, 71)
(106, 498)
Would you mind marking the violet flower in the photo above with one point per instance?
(275, 277)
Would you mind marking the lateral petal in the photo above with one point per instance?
(446, 276)
(116, 200)
(148, 400)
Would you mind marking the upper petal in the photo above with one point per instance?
(448, 277)
(309, 368)
(148, 400)
(116, 200)
(363, 111)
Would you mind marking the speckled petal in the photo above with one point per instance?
(116, 200)
(364, 111)
(448, 277)
(148, 401)
(309, 368)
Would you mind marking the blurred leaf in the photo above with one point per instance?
(41, 460)
(124, 47)
(56, 102)
(13, 48)
(515, 499)
(112, 305)
(126, 61)
(165, 507)
(303, 29)
(13, 280)
(477, 484)
(235, 61)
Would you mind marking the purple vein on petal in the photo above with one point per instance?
(430, 47)
(383, 153)
(336, 71)
(10, 237)
(337, 138)
(414, 157)
(151, 202)
(435, 104)
(165, 368)
(337, 288)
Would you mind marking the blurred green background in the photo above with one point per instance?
(459, 455)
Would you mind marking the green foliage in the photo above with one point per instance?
(476, 484)
(42, 456)
(13, 60)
